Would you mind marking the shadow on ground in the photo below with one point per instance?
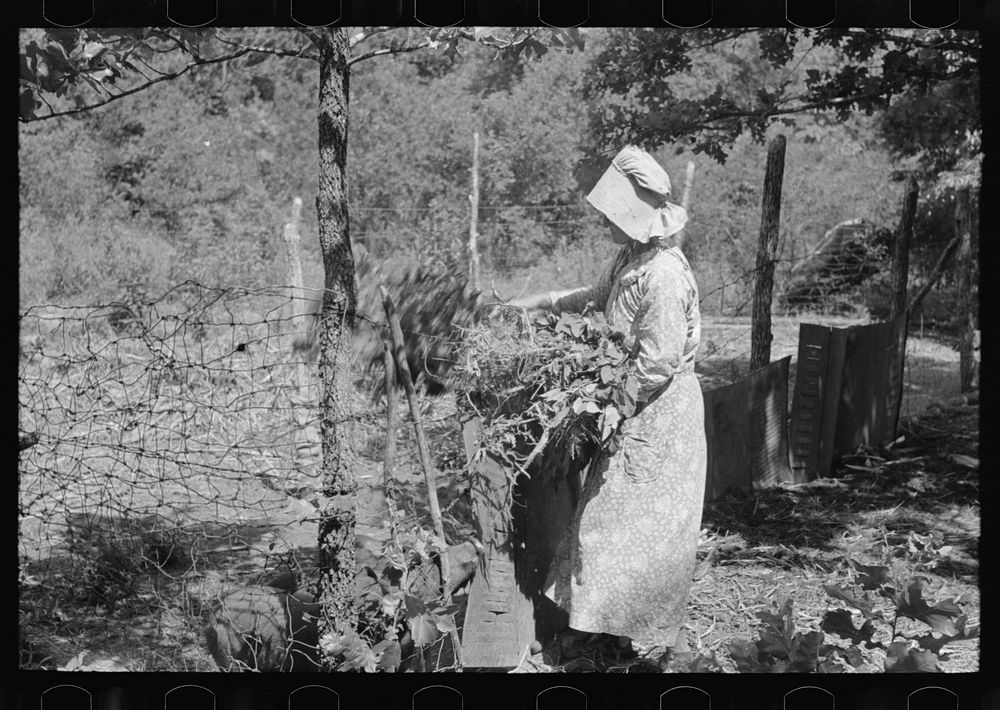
(920, 495)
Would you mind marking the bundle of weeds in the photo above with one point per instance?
(433, 301)
(551, 393)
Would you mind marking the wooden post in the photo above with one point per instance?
(391, 425)
(967, 287)
(760, 335)
(294, 274)
(474, 219)
(306, 436)
(901, 251)
(686, 196)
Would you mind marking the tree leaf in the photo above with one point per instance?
(870, 577)
(391, 656)
(805, 650)
(585, 405)
(839, 622)
(861, 604)
(745, 656)
(609, 421)
(902, 658)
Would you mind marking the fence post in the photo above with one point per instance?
(901, 248)
(760, 334)
(294, 274)
(474, 218)
(306, 456)
(967, 287)
(686, 196)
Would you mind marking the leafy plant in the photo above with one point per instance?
(551, 392)
(400, 606)
(904, 653)
(781, 648)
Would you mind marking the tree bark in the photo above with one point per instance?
(760, 334)
(968, 294)
(901, 249)
(337, 514)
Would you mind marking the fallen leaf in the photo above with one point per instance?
(870, 576)
(861, 604)
(839, 622)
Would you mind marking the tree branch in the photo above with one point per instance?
(315, 37)
(365, 33)
(934, 276)
(774, 111)
(134, 90)
(277, 51)
(388, 50)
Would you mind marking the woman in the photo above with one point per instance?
(625, 565)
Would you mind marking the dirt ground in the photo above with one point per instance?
(913, 507)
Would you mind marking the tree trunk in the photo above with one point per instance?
(760, 334)
(337, 515)
(968, 294)
(901, 251)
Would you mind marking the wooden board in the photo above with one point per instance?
(805, 430)
(548, 508)
(728, 440)
(831, 399)
(499, 618)
(768, 411)
(746, 428)
(848, 391)
(871, 385)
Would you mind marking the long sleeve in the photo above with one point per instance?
(575, 300)
(661, 327)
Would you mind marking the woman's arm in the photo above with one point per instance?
(572, 300)
(661, 329)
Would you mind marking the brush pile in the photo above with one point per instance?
(433, 302)
(551, 392)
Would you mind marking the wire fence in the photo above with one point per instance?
(168, 436)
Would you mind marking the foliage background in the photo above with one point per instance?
(194, 178)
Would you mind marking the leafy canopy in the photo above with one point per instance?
(640, 75)
(65, 71)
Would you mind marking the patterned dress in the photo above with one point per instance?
(625, 564)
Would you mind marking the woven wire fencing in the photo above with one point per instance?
(170, 451)
(169, 436)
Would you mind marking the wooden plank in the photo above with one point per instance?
(499, 617)
(746, 431)
(548, 510)
(807, 401)
(831, 399)
(768, 413)
(871, 386)
(728, 439)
